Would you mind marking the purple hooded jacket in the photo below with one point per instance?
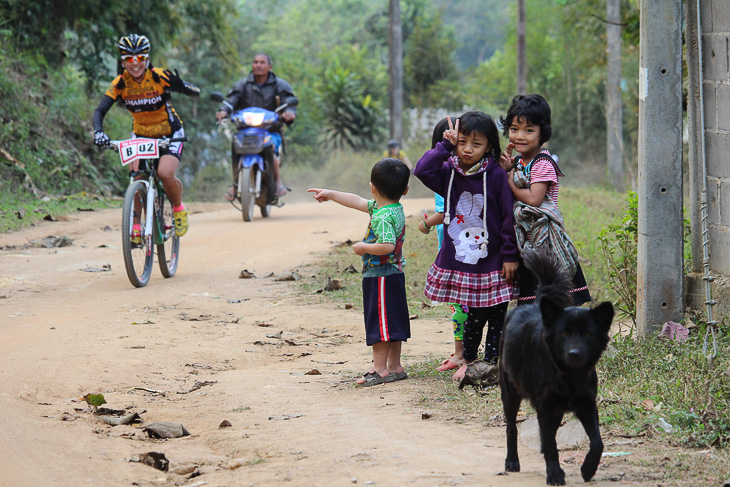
(464, 228)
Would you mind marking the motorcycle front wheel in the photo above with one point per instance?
(268, 186)
(247, 187)
(138, 254)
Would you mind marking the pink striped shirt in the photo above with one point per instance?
(544, 172)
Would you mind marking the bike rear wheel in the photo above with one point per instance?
(138, 256)
(247, 187)
(168, 249)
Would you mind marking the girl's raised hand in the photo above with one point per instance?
(452, 133)
(505, 159)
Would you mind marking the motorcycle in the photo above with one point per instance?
(253, 151)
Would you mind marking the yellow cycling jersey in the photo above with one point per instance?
(149, 103)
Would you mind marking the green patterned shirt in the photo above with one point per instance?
(387, 225)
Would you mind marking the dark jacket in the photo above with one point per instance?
(246, 93)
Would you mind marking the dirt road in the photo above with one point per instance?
(204, 347)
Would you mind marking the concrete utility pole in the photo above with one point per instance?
(395, 45)
(521, 49)
(660, 264)
(614, 108)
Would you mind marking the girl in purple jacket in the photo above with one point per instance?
(477, 263)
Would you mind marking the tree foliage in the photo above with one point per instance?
(351, 117)
(333, 52)
(566, 63)
(428, 59)
(479, 28)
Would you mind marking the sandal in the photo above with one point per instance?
(372, 378)
(448, 365)
(396, 376)
(459, 374)
(446, 360)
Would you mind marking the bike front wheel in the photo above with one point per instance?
(136, 244)
(168, 246)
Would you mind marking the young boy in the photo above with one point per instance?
(384, 291)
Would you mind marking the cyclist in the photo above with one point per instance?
(263, 89)
(145, 91)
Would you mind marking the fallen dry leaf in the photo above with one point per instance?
(346, 243)
(333, 285)
(153, 459)
(285, 417)
(104, 268)
(126, 419)
(165, 429)
(289, 276)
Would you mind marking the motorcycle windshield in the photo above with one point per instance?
(254, 117)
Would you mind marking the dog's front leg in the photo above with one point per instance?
(511, 404)
(549, 422)
(589, 419)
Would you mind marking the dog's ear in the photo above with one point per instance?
(603, 314)
(549, 310)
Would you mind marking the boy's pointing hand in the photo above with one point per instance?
(321, 195)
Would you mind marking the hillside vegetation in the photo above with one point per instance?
(57, 59)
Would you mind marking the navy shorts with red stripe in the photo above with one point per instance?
(385, 309)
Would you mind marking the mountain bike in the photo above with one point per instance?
(147, 207)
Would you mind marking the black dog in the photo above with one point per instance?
(548, 354)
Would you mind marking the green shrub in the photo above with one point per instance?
(618, 245)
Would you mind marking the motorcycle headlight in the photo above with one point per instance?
(253, 119)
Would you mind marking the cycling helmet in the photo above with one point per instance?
(133, 44)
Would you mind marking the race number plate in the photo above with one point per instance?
(133, 149)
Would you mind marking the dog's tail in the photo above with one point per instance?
(553, 280)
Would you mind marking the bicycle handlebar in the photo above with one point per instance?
(163, 143)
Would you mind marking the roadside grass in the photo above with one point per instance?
(16, 212)
(640, 380)
(658, 384)
(439, 392)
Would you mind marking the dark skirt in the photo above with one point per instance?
(528, 286)
(385, 307)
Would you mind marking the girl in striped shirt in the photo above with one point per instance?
(533, 178)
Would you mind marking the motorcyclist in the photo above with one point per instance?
(145, 91)
(263, 89)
